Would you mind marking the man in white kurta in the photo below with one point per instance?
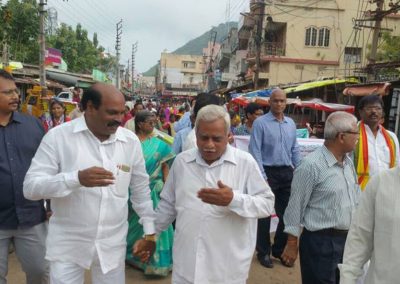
(216, 193)
(85, 167)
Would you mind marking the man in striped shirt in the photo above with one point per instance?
(324, 195)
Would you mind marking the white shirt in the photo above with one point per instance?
(213, 244)
(89, 220)
(374, 233)
(378, 151)
(190, 141)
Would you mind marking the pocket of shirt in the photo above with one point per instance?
(122, 182)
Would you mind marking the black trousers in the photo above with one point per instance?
(280, 180)
(320, 255)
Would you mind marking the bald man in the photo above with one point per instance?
(86, 168)
(274, 146)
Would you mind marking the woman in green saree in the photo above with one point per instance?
(157, 155)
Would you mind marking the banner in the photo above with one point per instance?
(53, 56)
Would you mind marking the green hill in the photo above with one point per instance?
(195, 46)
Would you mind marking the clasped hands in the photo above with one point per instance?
(220, 196)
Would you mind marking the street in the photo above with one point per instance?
(258, 274)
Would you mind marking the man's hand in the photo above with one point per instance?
(143, 249)
(220, 196)
(95, 176)
(289, 254)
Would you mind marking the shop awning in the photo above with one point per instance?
(318, 84)
(328, 107)
(381, 89)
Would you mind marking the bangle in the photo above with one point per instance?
(151, 238)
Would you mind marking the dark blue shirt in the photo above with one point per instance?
(19, 140)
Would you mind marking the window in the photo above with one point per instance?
(189, 64)
(352, 54)
(311, 36)
(317, 36)
(323, 37)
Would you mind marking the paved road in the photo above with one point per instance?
(258, 274)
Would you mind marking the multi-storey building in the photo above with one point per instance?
(181, 75)
(309, 39)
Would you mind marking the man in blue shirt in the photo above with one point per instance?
(274, 146)
(21, 220)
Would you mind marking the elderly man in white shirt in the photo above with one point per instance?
(216, 206)
(86, 167)
(374, 233)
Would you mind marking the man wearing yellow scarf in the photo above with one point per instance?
(377, 148)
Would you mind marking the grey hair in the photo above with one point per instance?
(337, 122)
(212, 113)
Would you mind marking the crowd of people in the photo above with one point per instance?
(121, 194)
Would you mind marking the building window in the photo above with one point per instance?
(323, 37)
(317, 36)
(311, 36)
(352, 54)
(189, 64)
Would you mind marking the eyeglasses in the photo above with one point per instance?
(351, 132)
(149, 122)
(11, 92)
(371, 108)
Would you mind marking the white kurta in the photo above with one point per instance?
(89, 220)
(213, 244)
(378, 151)
(374, 233)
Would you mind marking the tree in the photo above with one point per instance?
(21, 29)
(81, 54)
(389, 51)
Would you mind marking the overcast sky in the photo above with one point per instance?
(155, 24)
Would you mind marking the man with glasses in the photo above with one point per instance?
(21, 220)
(378, 148)
(324, 196)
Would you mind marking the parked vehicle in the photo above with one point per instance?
(37, 105)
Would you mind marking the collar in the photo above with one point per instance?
(195, 156)
(16, 117)
(369, 130)
(331, 159)
(80, 126)
(270, 116)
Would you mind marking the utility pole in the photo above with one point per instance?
(42, 43)
(377, 16)
(118, 49)
(134, 49)
(5, 58)
(375, 36)
(258, 39)
(127, 73)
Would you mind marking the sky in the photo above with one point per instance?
(156, 25)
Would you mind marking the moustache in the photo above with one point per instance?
(114, 123)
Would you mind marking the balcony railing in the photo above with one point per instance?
(269, 48)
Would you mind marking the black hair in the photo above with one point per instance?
(142, 116)
(204, 100)
(138, 103)
(369, 100)
(92, 95)
(5, 75)
(251, 108)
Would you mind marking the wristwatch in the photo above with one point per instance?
(151, 238)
